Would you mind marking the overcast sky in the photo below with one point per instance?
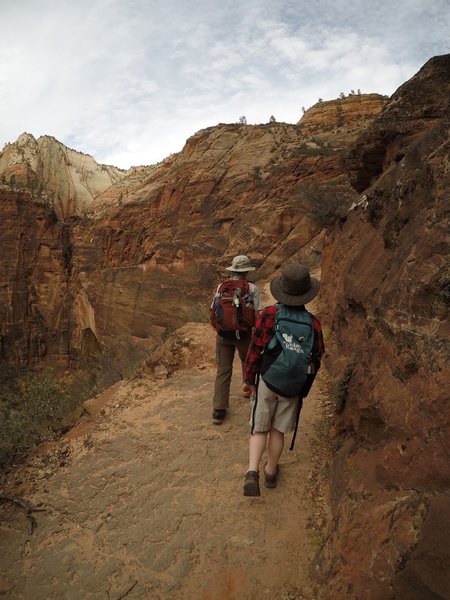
(128, 81)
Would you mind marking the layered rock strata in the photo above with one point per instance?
(66, 179)
(97, 291)
(145, 257)
(34, 276)
(386, 293)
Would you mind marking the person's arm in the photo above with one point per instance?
(257, 302)
(261, 336)
(319, 345)
(212, 311)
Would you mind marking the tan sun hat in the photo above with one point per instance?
(295, 286)
(240, 264)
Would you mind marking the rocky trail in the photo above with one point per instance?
(143, 498)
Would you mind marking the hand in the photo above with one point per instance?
(249, 388)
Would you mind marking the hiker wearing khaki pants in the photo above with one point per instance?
(233, 313)
(225, 350)
(283, 358)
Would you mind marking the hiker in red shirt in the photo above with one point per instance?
(273, 413)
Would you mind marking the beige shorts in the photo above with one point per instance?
(270, 410)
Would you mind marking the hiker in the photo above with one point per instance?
(235, 306)
(278, 386)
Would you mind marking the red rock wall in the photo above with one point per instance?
(34, 302)
(85, 292)
(148, 257)
(386, 293)
(233, 189)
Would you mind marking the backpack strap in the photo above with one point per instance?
(245, 292)
(254, 404)
(297, 418)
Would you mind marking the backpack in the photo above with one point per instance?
(233, 309)
(286, 366)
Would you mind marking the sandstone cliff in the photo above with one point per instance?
(97, 291)
(34, 277)
(146, 256)
(343, 115)
(385, 300)
(68, 180)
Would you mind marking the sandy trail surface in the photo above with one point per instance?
(143, 499)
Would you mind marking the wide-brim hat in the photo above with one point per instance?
(240, 264)
(294, 286)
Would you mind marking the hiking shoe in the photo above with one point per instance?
(251, 484)
(270, 481)
(218, 415)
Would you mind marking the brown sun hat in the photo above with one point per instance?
(294, 286)
(240, 264)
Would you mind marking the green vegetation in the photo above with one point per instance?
(316, 540)
(324, 205)
(305, 150)
(33, 407)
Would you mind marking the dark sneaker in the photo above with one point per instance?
(270, 481)
(218, 415)
(251, 484)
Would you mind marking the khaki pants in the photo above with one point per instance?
(225, 349)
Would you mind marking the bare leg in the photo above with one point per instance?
(257, 446)
(274, 449)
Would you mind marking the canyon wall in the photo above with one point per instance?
(385, 300)
(99, 265)
(146, 255)
(34, 300)
(66, 179)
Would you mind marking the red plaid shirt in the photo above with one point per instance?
(262, 334)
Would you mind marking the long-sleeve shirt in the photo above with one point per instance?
(263, 333)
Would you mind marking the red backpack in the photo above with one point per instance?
(233, 309)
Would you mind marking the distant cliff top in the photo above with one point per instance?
(68, 179)
(342, 113)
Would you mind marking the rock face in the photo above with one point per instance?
(96, 290)
(343, 115)
(386, 292)
(67, 179)
(260, 190)
(34, 279)
(414, 108)
(147, 256)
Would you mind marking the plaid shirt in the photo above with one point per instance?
(263, 333)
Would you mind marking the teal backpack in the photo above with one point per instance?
(287, 367)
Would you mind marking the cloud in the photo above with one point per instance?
(128, 82)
